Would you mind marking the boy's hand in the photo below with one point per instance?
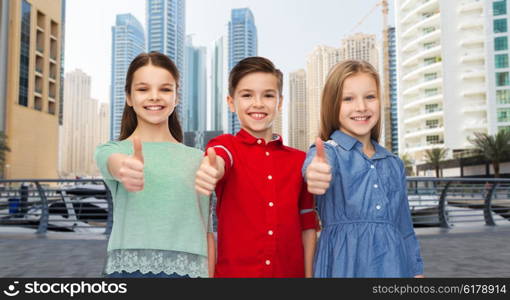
(131, 171)
(210, 172)
(318, 173)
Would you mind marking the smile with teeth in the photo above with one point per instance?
(154, 107)
(360, 118)
(257, 115)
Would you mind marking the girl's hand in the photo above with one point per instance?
(318, 173)
(210, 172)
(131, 170)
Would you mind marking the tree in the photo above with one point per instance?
(3, 149)
(435, 157)
(408, 164)
(493, 147)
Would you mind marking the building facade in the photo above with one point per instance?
(128, 41)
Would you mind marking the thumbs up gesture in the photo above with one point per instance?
(131, 170)
(318, 173)
(210, 172)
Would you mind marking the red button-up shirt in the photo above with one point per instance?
(263, 207)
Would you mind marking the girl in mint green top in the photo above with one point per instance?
(160, 223)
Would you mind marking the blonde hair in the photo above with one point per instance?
(332, 96)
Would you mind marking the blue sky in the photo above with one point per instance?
(288, 30)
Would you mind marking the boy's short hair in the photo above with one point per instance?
(250, 65)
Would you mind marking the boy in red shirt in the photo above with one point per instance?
(266, 217)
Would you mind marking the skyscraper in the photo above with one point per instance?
(166, 24)
(83, 127)
(393, 89)
(242, 43)
(31, 36)
(195, 88)
(359, 46)
(298, 115)
(127, 42)
(219, 84)
(443, 79)
(319, 63)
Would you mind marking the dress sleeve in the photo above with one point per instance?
(405, 226)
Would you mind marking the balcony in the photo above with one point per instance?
(420, 101)
(425, 5)
(422, 115)
(421, 131)
(429, 37)
(421, 54)
(423, 85)
(473, 56)
(426, 21)
(472, 75)
(415, 73)
(476, 6)
(479, 106)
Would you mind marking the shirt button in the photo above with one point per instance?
(269, 177)
(271, 204)
(377, 207)
(268, 262)
(376, 186)
(270, 232)
(372, 166)
(267, 153)
(259, 142)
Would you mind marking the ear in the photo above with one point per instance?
(230, 102)
(280, 103)
(128, 101)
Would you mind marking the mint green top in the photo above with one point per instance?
(164, 226)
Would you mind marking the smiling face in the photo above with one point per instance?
(257, 102)
(153, 95)
(360, 106)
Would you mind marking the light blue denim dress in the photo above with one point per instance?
(366, 222)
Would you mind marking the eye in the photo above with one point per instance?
(142, 89)
(245, 95)
(270, 96)
(371, 97)
(347, 99)
(167, 90)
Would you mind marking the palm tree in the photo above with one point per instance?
(435, 157)
(493, 147)
(3, 149)
(408, 164)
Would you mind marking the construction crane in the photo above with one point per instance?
(386, 101)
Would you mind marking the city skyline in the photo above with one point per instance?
(88, 47)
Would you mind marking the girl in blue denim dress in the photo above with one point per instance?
(360, 187)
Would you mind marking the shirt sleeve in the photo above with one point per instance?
(307, 212)
(406, 228)
(101, 156)
(223, 148)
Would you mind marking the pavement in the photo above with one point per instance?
(479, 251)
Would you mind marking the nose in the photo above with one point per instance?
(257, 101)
(154, 94)
(360, 104)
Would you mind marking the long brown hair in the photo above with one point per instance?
(129, 120)
(332, 96)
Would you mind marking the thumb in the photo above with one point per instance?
(211, 154)
(137, 148)
(321, 155)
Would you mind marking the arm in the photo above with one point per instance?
(309, 241)
(406, 227)
(211, 253)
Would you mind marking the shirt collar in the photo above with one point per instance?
(247, 138)
(348, 142)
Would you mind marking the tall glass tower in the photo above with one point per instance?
(127, 42)
(166, 34)
(195, 88)
(242, 43)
